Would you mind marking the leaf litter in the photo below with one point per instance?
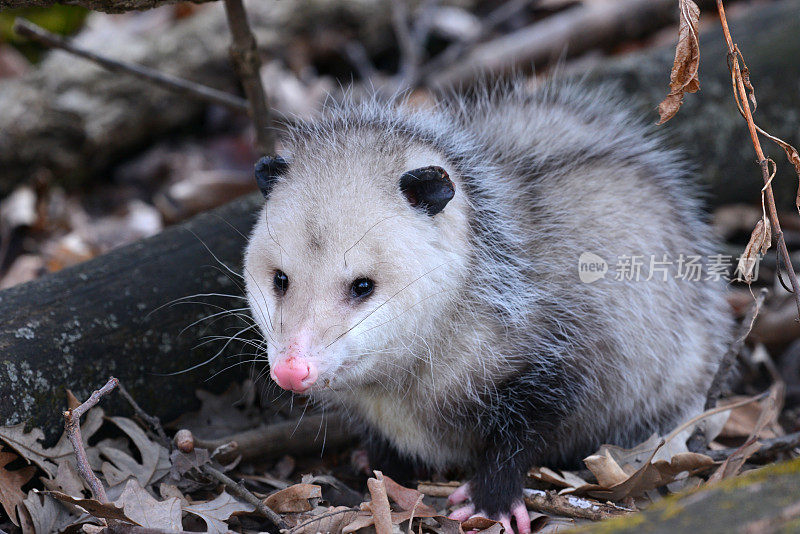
(163, 487)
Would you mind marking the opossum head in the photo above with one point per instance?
(356, 258)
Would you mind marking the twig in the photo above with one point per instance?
(740, 94)
(246, 61)
(244, 493)
(72, 427)
(550, 502)
(167, 81)
(459, 49)
(307, 435)
(769, 448)
(697, 440)
(153, 421)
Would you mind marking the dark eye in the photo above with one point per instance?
(361, 288)
(281, 282)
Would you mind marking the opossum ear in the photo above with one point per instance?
(428, 189)
(268, 169)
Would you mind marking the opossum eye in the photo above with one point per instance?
(428, 189)
(267, 170)
(281, 282)
(361, 288)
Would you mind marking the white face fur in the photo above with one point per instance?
(337, 217)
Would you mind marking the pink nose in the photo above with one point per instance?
(295, 374)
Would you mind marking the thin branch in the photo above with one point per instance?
(459, 49)
(741, 96)
(551, 503)
(246, 61)
(72, 427)
(243, 493)
(172, 83)
(153, 421)
(769, 448)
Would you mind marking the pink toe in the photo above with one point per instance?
(522, 517)
(506, 522)
(463, 513)
(460, 495)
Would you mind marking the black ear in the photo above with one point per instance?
(268, 169)
(428, 189)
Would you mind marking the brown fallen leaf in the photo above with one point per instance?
(295, 498)
(121, 465)
(217, 511)
(406, 498)
(334, 520)
(11, 482)
(379, 505)
(29, 444)
(683, 77)
(146, 511)
(42, 513)
(94, 507)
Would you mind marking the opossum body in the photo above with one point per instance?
(420, 269)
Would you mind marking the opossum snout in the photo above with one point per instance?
(295, 374)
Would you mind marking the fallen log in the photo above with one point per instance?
(111, 315)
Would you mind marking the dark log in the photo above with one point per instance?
(76, 327)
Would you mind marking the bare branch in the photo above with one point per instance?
(244, 53)
(167, 81)
(72, 427)
(243, 493)
(741, 96)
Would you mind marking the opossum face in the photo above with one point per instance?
(355, 260)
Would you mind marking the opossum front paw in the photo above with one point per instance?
(517, 510)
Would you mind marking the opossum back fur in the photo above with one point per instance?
(548, 175)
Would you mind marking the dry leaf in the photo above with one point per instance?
(683, 78)
(605, 469)
(760, 240)
(565, 479)
(142, 508)
(216, 512)
(44, 514)
(334, 520)
(28, 444)
(67, 481)
(295, 498)
(11, 482)
(94, 507)
(379, 505)
(406, 498)
(121, 466)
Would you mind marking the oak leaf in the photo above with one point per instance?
(683, 78)
(11, 482)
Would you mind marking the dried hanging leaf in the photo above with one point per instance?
(145, 510)
(760, 240)
(683, 78)
(295, 498)
(216, 512)
(11, 482)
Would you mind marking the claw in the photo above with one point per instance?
(463, 513)
(460, 495)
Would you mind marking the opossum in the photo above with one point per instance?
(426, 270)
